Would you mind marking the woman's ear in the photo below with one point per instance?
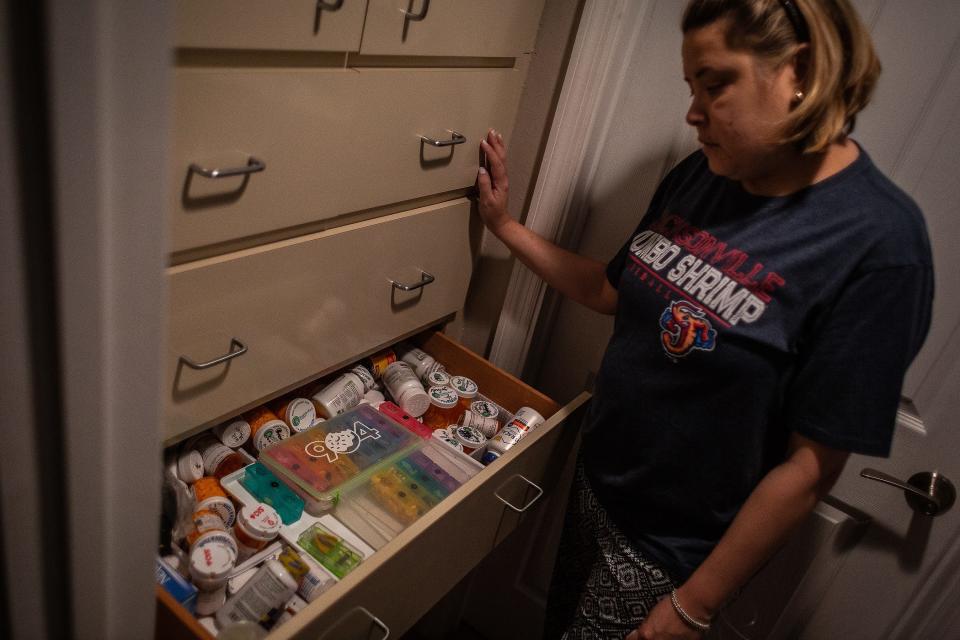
(800, 62)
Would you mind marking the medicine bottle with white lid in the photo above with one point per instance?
(420, 361)
(344, 393)
(404, 385)
(270, 587)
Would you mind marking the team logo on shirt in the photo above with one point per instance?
(685, 328)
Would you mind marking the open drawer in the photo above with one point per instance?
(402, 580)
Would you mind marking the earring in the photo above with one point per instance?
(799, 96)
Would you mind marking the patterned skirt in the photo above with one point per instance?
(602, 587)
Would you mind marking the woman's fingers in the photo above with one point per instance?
(497, 168)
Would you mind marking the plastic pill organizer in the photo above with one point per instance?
(321, 463)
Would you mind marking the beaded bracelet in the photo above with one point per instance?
(702, 627)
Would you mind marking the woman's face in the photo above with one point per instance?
(738, 104)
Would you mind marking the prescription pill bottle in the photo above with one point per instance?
(444, 436)
(444, 407)
(437, 379)
(266, 428)
(486, 409)
(233, 433)
(212, 559)
(257, 525)
(378, 362)
(421, 362)
(204, 521)
(487, 426)
(190, 466)
(467, 390)
(405, 387)
(270, 587)
(210, 495)
(374, 398)
(298, 413)
(344, 393)
(220, 460)
(209, 602)
(470, 438)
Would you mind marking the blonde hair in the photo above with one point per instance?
(843, 67)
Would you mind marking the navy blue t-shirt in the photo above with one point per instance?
(741, 319)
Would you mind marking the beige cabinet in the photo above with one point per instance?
(342, 180)
(484, 28)
(330, 142)
(327, 25)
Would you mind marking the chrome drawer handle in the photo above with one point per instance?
(526, 506)
(329, 6)
(374, 619)
(410, 15)
(241, 349)
(253, 166)
(455, 138)
(425, 279)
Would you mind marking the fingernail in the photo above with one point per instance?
(483, 171)
(485, 142)
(500, 136)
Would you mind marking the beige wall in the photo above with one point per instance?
(531, 129)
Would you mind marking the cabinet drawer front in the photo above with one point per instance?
(333, 142)
(278, 24)
(307, 305)
(491, 28)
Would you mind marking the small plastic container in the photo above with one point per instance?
(467, 390)
(421, 362)
(378, 362)
(320, 463)
(267, 488)
(190, 466)
(487, 426)
(210, 495)
(374, 398)
(404, 385)
(270, 587)
(471, 439)
(443, 435)
(330, 550)
(220, 460)
(233, 433)
(212, 559)
(444, 407)
(266, 428)
(209, 602)
(344, 393)
(298, 413)
(256, 527)
(524, 421)
(437, 379)
(204, 521)
(485, 409)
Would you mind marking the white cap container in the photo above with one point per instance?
(233, 433)
(404, 385)
(344, 393)
(466, 388)
(257, 525)
(190, 466)
(212, 559)
(374, 398)
(437, 379)
(421, 362)
(209, 602)
(471, 439)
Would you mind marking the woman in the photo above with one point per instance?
(766, 308)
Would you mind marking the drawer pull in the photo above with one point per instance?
(329, 6)
(253, 166)
(526, 506)
(241, 349)
(425, 279)
(420, 15)
(377, 622)
(455, 138)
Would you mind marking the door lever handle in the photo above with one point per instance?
(926, 492)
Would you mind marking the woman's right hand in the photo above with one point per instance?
(493, 184)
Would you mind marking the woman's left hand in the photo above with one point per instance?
(663, 623)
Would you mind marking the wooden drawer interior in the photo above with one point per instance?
(460, 531)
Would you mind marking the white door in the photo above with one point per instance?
(865, 565)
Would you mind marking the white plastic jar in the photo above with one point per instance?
(404, 385)
(344, 393)
(419, 360)
(233, 433)
(256, 526)
(437, 379)
(466, 388)
(212, 559)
